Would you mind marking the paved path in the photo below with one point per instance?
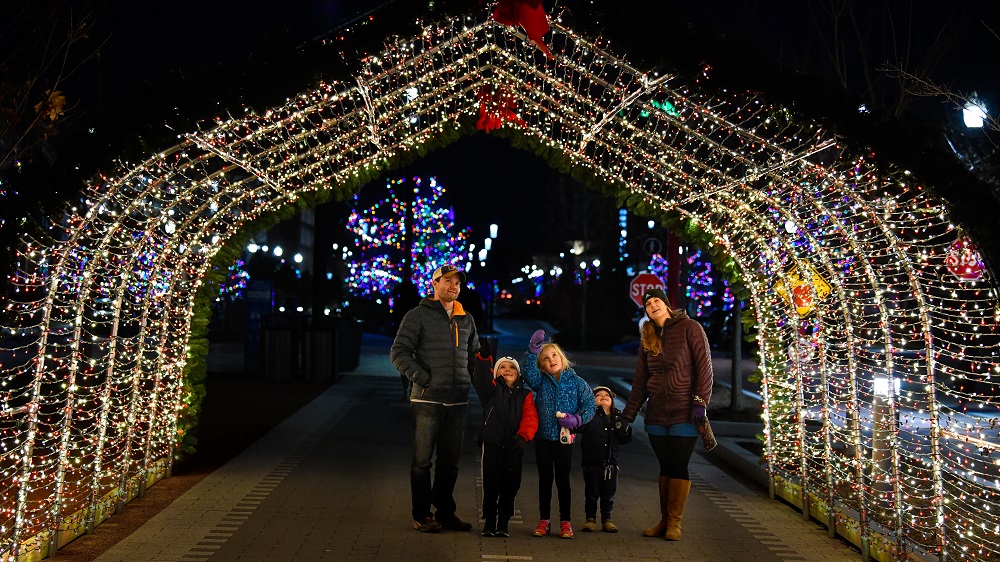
(332, 483)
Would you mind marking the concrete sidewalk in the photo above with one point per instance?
(332, 483)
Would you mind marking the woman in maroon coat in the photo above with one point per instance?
(674, 373)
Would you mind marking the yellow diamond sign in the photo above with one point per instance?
(802, 289)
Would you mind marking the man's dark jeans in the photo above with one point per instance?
(439, 428)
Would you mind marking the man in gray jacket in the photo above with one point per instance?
(434, 348)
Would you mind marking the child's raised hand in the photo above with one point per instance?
(484, 349)
(535, 343)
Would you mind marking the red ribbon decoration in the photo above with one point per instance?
(495, 107)
(530, 15)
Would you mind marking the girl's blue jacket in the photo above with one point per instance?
(571, 395)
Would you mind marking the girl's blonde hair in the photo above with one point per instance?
(566, 363)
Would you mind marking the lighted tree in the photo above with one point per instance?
(406, 234)
(706, 292)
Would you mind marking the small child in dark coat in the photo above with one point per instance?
(599, 440)
(509, 421)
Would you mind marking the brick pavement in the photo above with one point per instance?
(332, 483)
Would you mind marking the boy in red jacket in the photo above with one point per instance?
(509, 421)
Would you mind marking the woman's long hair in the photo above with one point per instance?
(651, 341)
(650, 338)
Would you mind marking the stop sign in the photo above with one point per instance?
(642, 283)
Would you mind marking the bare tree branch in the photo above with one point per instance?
(922, 87)
(45, 54)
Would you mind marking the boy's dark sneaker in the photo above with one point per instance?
(453, 523)
(427, 524)
(502, 533)
(487, 532)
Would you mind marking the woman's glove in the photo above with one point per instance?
(535, 343)
(697, 414)
(519, 443)
(569, 421)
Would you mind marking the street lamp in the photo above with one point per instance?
(974, 115)
(880, 387)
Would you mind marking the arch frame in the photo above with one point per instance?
(584, 113)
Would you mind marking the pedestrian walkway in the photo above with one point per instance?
(332, 483)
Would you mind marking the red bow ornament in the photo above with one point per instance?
(530, 15)
(495, 107)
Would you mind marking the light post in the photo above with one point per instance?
(974, 115)
(885, 389)
(490, 298)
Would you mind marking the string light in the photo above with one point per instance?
(98, 394)
(381, 230)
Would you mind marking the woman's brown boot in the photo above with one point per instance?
(675, 507)
(660, 528)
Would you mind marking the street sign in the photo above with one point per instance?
(642, 283)
(652, 246)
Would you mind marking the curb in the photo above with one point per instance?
(731, 436)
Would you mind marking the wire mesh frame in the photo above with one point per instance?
(703, 160)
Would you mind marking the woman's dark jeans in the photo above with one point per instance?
(674, 452)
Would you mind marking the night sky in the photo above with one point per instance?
(487, 181)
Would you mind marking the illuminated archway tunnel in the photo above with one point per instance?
(876, 319)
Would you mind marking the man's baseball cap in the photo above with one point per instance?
(447, 270)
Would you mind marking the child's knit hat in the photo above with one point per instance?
(605, 389)
(511, 360)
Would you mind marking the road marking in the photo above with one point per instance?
(505, 557)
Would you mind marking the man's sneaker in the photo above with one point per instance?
(487, 532)
(453, 523)
(542, 529)
(427, 524)
(566, 530)
(609, 526)
(590, 526)
(502, 533)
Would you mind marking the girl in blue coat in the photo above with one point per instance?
(563, 400)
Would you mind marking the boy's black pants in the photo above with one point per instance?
(599, 483)
(501, 480)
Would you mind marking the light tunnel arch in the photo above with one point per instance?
(91, 418)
